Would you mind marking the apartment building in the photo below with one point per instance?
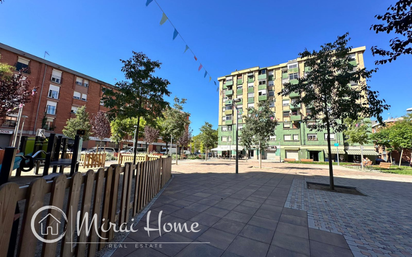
(293, 138)
(60, 91)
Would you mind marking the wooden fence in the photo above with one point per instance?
(127, 157)
(114, 195)
(91, 160)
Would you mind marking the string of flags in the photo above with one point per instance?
(175, 34)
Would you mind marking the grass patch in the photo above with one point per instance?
(404, 170)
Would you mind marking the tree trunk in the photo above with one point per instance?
(361, 153)
(331, 182)
(206, 154)
(400, 158)
(177, 155)
(260, 157)
(136, 136)
(166, 149)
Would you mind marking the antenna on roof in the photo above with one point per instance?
(45, 52)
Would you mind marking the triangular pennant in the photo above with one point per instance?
(175, 33)
(195, 58)
(205, 74)
(215, 82)
(187, 48)
(210, 79)
(164, 19)
(200, 67)
(148, 2)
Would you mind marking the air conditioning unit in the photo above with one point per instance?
(41, 133)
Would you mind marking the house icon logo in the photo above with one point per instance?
(50, 225)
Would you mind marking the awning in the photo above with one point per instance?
(365, 152)
(227, 148)
(291, 148)
(334, 150)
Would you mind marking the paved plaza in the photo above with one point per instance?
(270, 212)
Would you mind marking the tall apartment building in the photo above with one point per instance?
(60, 91)
(293, 138)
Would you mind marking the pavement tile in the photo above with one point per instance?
(217, 212)
(276, 251)
(197, 207)
(185, 214)
(167, 209)
(141, 250)
(208, 201)
(202, 194)
(226, 205)
(327, 238)
(247, 247)
(217, 238)
(230, 226)
(293, 230)
(205, 219)
(245, 209)
(263, 222)
(292, 243)
(257, 233)
(238, 216)
(294, 212)
(178, 243)
(273, 215)
(326, 250)
(295, 220)
(256, 199)
(269, 207)
(202, 250)
(250, 204)
(181, 203)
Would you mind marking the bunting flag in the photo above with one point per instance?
(187, 48)
(205, 74)
(210, 79)
(195, 58)
(164, 19)
(175, 33)
(148, 2)
(215, 82)
(200, 67)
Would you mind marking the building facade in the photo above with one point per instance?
(59, 92)
(293, 138)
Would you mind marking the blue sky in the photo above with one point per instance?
(91, 37)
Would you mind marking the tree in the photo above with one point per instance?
(208, 137)
(121, 128)
(101, 127)
(196, 142)
(398, 19)
(14, 89)
(327, 93)
(80, 122)
(150, 135)
(400, 136)
(176, 120)
(163, 132)
(381, 138)
(140, 96)
(260, 124)
(183, 140)
(357, 132)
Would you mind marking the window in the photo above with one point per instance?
(262, 82)
(271, 73)
(101, 102)
(79, 81)
(74, 109)
(284, 71)
(84, 97)
(308, 112)
(224, 128)
(49, 124)
(22, 64)
(287, 138)
(86, 83)
(239, 107)
(292, 66)
(229, 79)
(250, 105)
(76, 95)
(262, 72)
(293, 76)
(56, 76)
(332, 136)
(224, 139)
(272, 104)
(228, 117)
(239, 76)
(312, 137)
(262, 92)
(227, 108)
(9, 122)
(240, 96)
(54, 92)
(286, 125)
(229, 139)
(352, 57)
(251, 95)
(285, 102)
(240, 128)
(271, 93)
(250, 85)
(272, 138)
(51, 108)
(239, 116)
(295, 137)
(239, 86)
(286, 114)
(223, 118)
(271, 83)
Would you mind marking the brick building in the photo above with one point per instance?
(60, 91)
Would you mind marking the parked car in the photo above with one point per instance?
(100, 149)
(131, 150)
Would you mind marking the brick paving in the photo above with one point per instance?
(269, 212)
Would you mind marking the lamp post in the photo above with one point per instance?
(237, 155)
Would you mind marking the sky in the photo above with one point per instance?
(226, 35)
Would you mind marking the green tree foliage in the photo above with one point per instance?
(381, 138)
(81, 121)
(400, 136)
(196, 142)
(141, 95)
(357, 132)
(327, 93)
(260, 124)
(121, 128)
(208, 137)
(398, 19)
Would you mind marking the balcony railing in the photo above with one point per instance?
(294, 95)
(228, 102)
(228, 122)
(239, 91)
(229, 83)
(295, 117)
(294, 106)
(250, 79)
(229, 111)
(229, 92)
(263, 76)
(250, 99)
(264, 86)
(240, 81)
(250, 90)
(263, 97)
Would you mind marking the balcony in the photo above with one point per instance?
(294, 95)
(263, 97)
(240, 102)
(261, 87)
(294, 70)
(240, 81)
(250, 90)
(250, 79)
(294, 106)
(229, 92)
(263, 76)
(228, 122)
(295, 117)
(308, 69)
(229, 83)
(239, 91)
(270, 77)
(294, 81)
(250, 99)
(285, 76)
(353, 63)
(228, 111)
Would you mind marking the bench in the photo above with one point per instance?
(289, 160)
(385, 165)
(306, 160)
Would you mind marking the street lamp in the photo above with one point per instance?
(237, 156)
